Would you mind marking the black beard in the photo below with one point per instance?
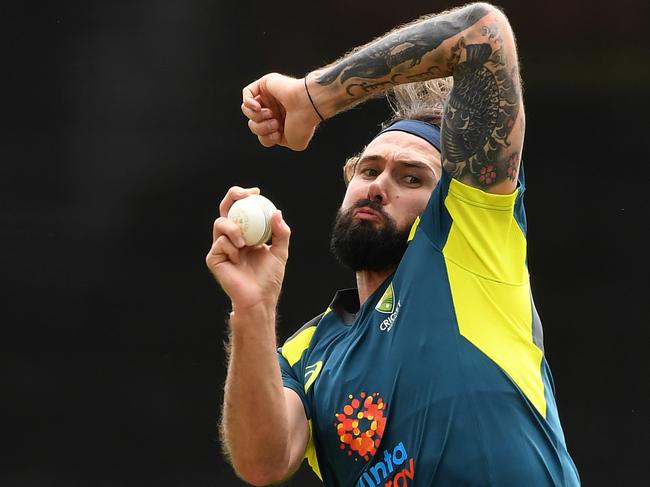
(367, 245)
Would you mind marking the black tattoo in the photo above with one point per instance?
(409, 44)
(367, 87)
(491, 32)
(482, 107)
(480, 115)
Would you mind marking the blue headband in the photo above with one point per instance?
(424, 130)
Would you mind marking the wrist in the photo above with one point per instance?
(327, 100)
(259, 313)
(311, 100)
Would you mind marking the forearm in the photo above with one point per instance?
(422, 50)
(483, 122)
(255, 423)
(482, 126)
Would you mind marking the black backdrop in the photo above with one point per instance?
(122, 132)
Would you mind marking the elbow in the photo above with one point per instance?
(256, 461)
(493, 22)
(261, 476)
(261, 472)
(486, 6)
(483, 9)
(494, 11)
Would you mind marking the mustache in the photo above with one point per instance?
(372, 204)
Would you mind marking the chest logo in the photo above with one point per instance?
(311, 372)
(387, 324)
(361, 424)
(387, 302)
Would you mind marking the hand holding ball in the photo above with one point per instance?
(253, 215)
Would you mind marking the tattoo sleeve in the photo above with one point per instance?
(482, 127)
(481, 113)
(409, 44)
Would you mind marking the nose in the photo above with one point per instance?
(379, 188)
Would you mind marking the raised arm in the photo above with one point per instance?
(483, 123)
(264, 427)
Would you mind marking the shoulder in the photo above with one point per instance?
(308, 325)
(296, 344)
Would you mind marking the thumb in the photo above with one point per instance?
(280, 233)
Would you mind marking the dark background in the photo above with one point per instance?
(121, 133)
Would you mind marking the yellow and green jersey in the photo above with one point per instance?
(439, 378)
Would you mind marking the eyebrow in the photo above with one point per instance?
(403, 162)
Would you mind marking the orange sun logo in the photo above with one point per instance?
(361, 424)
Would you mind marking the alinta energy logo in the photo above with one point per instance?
(394, 469)
(361, 425)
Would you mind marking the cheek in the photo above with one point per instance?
(353, 194)
(415, 206)
(347, 202)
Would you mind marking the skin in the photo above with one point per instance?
(482, 139)
(483, 123)
(399, 170)
(259, 446)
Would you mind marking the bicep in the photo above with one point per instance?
(298, 429)
(483, 123)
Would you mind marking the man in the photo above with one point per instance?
(432, 371)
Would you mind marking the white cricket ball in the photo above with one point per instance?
(253, 215)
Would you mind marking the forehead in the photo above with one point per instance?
(402, 146)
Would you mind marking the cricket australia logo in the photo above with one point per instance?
(387, 302)
(387, 306)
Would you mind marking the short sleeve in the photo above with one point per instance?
(436, 220)
(482, 232)
(291, 380)
(292, 358)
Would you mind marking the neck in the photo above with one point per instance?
(369, 281)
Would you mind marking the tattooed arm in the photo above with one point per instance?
(483, 122)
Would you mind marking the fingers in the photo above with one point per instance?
(249, 96)
(265, 127)
(256, 115)
(223, 249)
(263, 103)
(263, 124)
(235, 193)
(270, 140)
(267, 130)
(280, 235)
(223, 226)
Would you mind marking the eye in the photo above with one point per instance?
(370, 172)
(412, 180)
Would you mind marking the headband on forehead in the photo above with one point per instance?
(424, 130)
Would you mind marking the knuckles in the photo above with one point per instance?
(223, 226)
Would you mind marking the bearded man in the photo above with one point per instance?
(432, 371)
